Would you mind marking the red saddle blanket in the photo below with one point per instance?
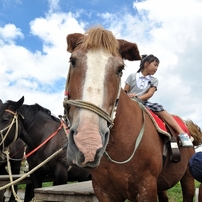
(161, 124)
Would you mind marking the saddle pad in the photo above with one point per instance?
(160, 125)
(181, 124)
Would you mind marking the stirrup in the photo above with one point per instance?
(185, 140)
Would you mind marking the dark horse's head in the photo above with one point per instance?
(8, 121)
(93, 86)
(13, 121)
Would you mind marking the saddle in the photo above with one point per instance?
(173, 143)
(170, 137)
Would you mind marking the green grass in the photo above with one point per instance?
(175, 193)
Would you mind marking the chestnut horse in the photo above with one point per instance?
(174, 172)
(200, 193)
(110, 134)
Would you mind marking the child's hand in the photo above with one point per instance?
(132, 95)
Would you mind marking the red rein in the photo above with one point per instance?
(29, 154)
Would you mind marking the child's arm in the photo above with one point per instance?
(126, 88)
(148, 94)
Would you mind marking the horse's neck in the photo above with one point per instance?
(128, 113)
(39, 130)
(34, 131)
(126, 107)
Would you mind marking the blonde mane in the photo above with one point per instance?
(100, 38)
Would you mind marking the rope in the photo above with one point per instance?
(17, 198)
(12, 183)
(138, 140)
(29, 154)
(65, 127)
(15, 119)
(93, 108)
(34, 169)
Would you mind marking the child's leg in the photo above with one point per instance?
(186, 142)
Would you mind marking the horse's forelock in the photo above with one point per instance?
(6, 105)
(3, 107)
(100, 38)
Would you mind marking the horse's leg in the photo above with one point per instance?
(60, 175)
(103, 196)
(162, 196)
(28, 191)
(15, 169)
(147, 192)
(2, 198)
(37, 180)
(200, 193)
(188, 187)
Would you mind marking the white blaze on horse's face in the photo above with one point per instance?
(88, 139)
(93, 90)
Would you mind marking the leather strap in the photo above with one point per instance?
(173, 146)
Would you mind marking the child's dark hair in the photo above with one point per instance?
(149, 59)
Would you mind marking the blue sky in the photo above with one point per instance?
(21, 13)
(34, 61)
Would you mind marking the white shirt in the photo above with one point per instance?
(142, 81)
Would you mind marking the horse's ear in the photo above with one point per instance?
(128, 50)
(1, 102)
(72, 41)
(19, 103)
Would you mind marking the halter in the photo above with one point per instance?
(15, 120)
(8, 128)
(138, 140)
(92, 107)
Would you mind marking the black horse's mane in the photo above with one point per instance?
(29, 111)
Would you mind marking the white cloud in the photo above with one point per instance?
(32, 73)
(169, 29)
(9, 33)
(53, 6)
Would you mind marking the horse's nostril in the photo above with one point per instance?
(73, 130)
(107, 134)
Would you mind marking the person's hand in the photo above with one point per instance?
(132, 95)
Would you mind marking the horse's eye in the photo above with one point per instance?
(120, 71)
(72, 62)
(5, 120)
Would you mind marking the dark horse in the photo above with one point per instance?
(16, 155)
(110, 134)
(36, 125)
(16, 152)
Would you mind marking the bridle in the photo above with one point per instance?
(8, 128)
(92, 107)
(15, 120)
